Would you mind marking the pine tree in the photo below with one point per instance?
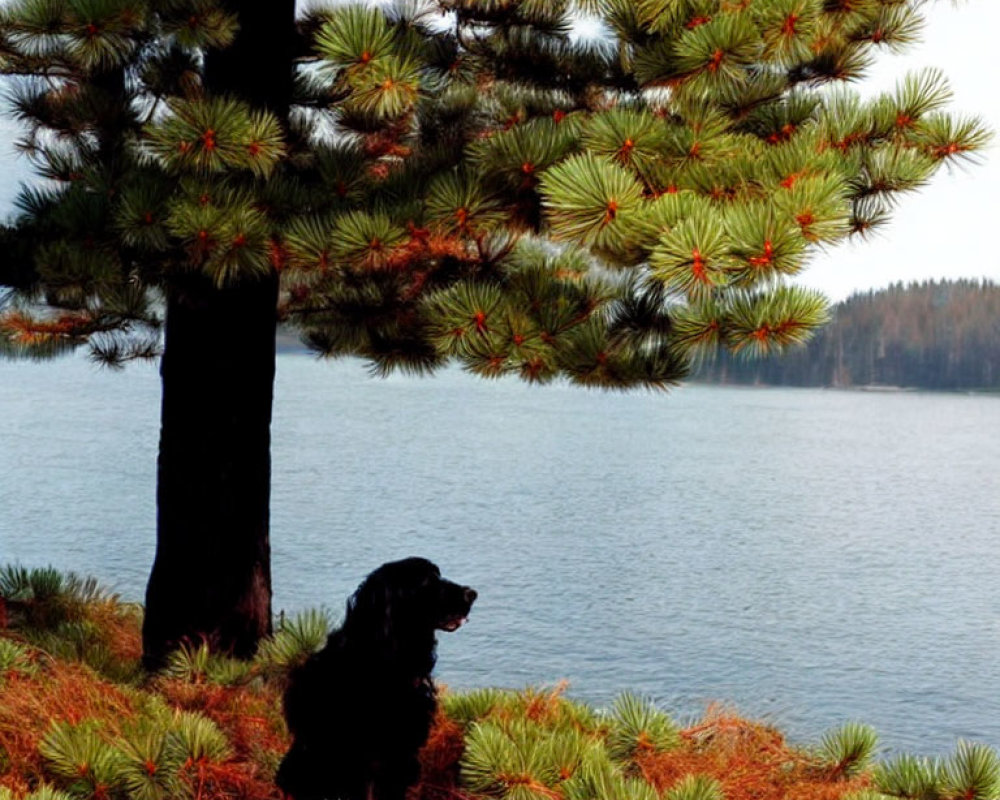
(424, 183)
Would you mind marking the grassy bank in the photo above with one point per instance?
(79, 719)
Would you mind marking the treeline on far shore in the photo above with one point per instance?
(933, 335)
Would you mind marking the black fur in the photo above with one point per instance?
(360, 709)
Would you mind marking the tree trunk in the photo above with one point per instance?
(211, 577)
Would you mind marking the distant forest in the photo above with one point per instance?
(933, 335)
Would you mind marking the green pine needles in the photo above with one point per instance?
(14, 658)
(849, 749)
(537, 745)
(696, 787)
(45, 598)
(639, 727)
(908, 776)
(43, 792)
(973, 772)
(294, 640)
(165, 755)
(438, 158)
(199, 664)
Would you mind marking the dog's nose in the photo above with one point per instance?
(470, 595)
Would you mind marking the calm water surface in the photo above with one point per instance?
(808, 556)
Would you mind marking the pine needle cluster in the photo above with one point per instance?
(465, 181)
(44, 597)
(165, 753)
(537, 744)
(973, 771)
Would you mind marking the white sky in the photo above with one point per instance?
(943, 231)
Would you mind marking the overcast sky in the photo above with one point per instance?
(944, 231)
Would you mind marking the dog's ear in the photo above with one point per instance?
(370, 609)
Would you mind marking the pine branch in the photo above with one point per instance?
(678, 169)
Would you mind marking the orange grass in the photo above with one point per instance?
(233, 779)
(751, 760)
(249, 716)
(545, 706)
(439, 761)
(120, 626)
(56, 692)
(59, 691)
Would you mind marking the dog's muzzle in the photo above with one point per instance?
(453, 623)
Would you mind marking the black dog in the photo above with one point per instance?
(361, 708)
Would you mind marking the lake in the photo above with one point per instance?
(809, 556)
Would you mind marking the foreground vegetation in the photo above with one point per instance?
(942, 335)
(80, 720)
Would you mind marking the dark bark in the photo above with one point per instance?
(211, 578)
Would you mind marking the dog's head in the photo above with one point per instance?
(409, 598)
